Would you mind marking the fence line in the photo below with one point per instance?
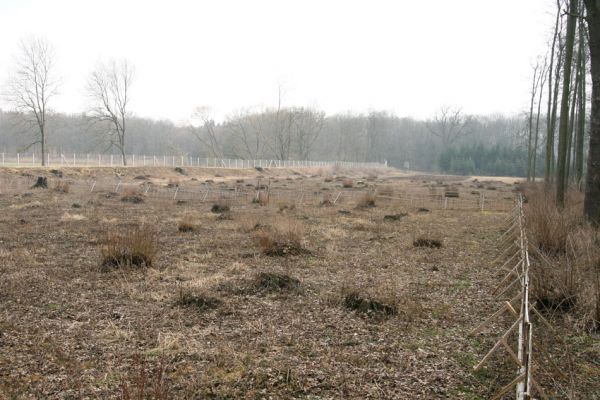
(517, 266)
(134, 160)
(245, 194)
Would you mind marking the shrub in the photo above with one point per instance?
(135, 247)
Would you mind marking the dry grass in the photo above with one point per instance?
(129, 247)
(271, 336)
(198, 301)
(276, 282)
(248, 223)
(185, 225)
(347, 183)
(62, 186)
(145, 383)
(131, 195)
(566, 254)
(367, 200)
(425, 241)
(284, 237)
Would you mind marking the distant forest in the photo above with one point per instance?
(450, 142)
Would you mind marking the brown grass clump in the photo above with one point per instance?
(367, 200)
(355, 301)
(220, 207)
(262, 198)
(132, 196)
(62, 186)
(133, 247)
(284, 238)
(347, 183)
(424, 241)
(202, 302)
(248, 223)
(276, 282)
(184, 225)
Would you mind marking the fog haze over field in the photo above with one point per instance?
(408, 58)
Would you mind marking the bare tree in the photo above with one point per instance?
(207, 133)
(563, 133)
(553, 86)
(32, 85)
(591, 206)
(108, 88)
(449, 124)
(307, 125)
(530, 146)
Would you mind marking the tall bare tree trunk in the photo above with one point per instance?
(530, 149)
(563, 127)
(591, 205)
(550, 115)
(542, 83)
(581, 113)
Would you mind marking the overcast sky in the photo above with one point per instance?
(407, 57)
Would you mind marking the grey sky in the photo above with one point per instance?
(408, 57)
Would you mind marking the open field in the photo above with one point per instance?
(297, 298)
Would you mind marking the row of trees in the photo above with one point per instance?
(280, 132)
(560, 86)
(307, 134)
(34, 83)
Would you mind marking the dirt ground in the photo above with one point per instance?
(203, 322)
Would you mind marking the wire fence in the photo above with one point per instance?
(112, 160)
(514, 290)
(246, 192)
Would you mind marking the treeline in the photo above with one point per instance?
(497, 160)
(295, 133)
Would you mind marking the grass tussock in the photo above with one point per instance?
(565, 253)
(130, 247)
(248, 223)
(199, 301)
(62, 186)
(354, 300)
(367, 200)
(284, 237)
(132, 196)
(425, 241)
(347, 183)
(220, 207)
(185, 225)
(276, 282)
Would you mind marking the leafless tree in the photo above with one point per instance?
(32, 85)
(207, 134)
(449, 124)
(108, 88)
(307, 125)
(247, 131)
